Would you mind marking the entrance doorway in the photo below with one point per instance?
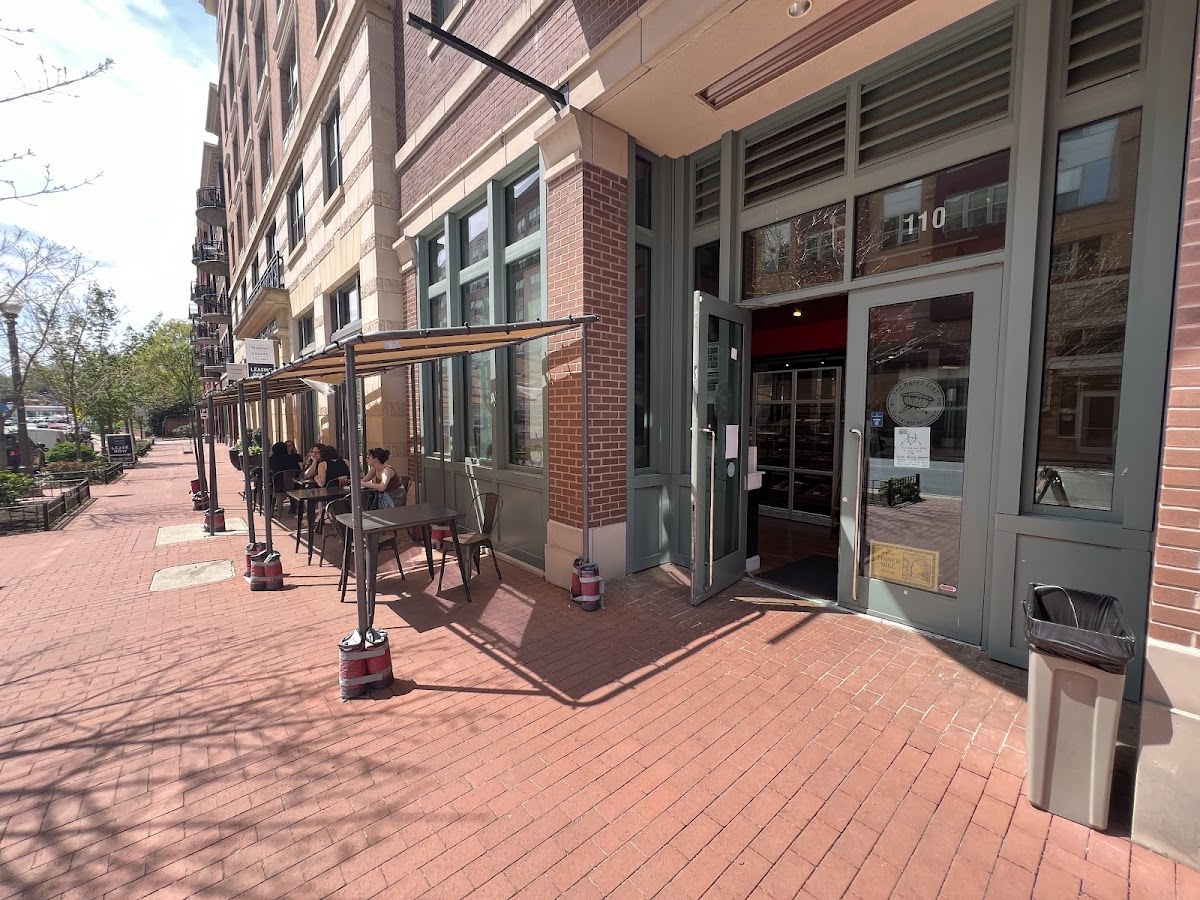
(797, 402)
(917, 459)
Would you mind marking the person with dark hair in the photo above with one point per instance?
(296, 461)
(330, 466)
(383, 480)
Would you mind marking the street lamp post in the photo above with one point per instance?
(11, 310)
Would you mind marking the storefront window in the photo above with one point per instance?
(483, 288)
(1086, 309)
(641, 357)
(960, 211)
(794, 254)
(526, 366)
(480, 372)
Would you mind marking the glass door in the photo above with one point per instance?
(720, 361)
(920, 399)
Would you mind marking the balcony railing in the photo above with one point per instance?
(210, 256)
(212, 304)
(210, 206)
(271, 279)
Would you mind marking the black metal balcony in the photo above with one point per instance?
(210, 257)
(214, 359)
(271, 280)
(212, 304)
(210, 206)
(205, 335)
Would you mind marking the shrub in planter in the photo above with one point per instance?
(66, 451)
(13, 487)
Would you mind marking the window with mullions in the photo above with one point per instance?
(343, 305)
(480, 267)
(332, 135)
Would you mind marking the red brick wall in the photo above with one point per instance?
(560, 37)
(586, 272)
(1175, 585)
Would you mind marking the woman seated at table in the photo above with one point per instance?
(383, 480)
(296, 460)
(326, 466)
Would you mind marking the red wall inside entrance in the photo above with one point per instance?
(821, 327)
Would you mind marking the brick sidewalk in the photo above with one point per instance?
(191, 742)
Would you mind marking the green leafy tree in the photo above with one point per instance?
(165, 371)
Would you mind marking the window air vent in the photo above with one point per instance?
(798, 155)
(1105, 41)
(707, 192)
(956, 88)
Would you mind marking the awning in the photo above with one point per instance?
(382, 351)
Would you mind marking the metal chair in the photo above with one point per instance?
(487, 507)
(281, 483)
(335, 509)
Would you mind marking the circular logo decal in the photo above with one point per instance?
(916, 402)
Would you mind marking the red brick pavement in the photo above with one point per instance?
(191, 742)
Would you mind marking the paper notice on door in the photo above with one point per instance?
(731, 442)
(912, 448)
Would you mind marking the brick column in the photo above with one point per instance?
(586, 165)
(1167, 793)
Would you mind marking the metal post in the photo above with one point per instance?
(268, 477)
(212, 462)
(248, 488)
(356, 497)
(583, 382)
(198, 440)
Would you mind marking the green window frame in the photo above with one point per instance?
(484, 263)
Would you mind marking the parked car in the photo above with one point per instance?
(12, 454)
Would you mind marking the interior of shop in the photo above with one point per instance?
(798, 363)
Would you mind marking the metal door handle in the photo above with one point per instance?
(857, 510)
(712, 486)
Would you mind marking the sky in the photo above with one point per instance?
(140, 125)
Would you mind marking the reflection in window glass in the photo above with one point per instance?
(794, 254)
(474, 237)
(642, 194)
(956, 212)
(527, 378)
(706, 274)
(1085, 312)
(443, 408)
(641, 357)
(481, 384)
(437, 258)
(523, 207)
(918, 372)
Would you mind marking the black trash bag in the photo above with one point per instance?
(1070, 624)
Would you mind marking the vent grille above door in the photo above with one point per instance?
(956, 88)
(707, 192)
(1105, 41)
(796, 156)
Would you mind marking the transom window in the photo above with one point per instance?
(480, 267)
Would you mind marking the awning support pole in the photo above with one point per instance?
(198, 440)
(249, 491)
(212, 463)
(583, 386)
(441, 418)
(268, 477)
(356, 494)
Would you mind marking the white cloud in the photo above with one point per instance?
(141, 125)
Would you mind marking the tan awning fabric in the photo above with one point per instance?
(385, 350)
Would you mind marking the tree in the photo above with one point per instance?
(165, 367)
(40, 276)
(46, 83)
(81, 367)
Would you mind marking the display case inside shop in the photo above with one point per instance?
(797, 428)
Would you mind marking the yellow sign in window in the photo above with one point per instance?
(910, 566)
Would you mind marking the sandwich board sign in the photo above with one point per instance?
(260, 356)
(120, 449)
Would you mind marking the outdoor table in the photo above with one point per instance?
(308, 498)
(419, 515)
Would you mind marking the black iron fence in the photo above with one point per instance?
(272, 278)
(208, 251)
(98, 473)
(49, 502)
(210, 198)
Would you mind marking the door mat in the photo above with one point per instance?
(814, 576)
